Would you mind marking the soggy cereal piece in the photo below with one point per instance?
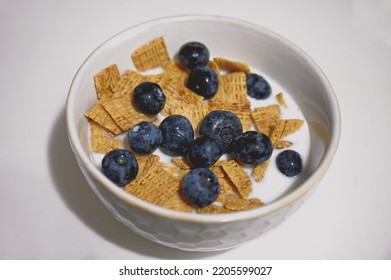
(123, 112)
(281, 144)
(243, 111)
(151, 55)
(284, 128)
(234, 202)
(172, 170)
(177, 202)
(128, 81)
(100, 141)
(265, 118)
(281, 99)
(106, 80)
(226, 188)
(99, 115)
(231, 66)
(154, 185)
(213, 209)
(181, 163)
(238, 177)
(260, 170)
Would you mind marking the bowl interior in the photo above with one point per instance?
(262, 49)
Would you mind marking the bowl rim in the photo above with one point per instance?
(308, 184)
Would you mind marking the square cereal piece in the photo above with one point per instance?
(151, 55)
(194, 112)
(234, 202)
(238, 177)
(128, 81)
(106, 80)
(100, 141)
(260, 170)
(281, 99)
(123, 112)
(175, 71)
(99, 115)
(172, 170)
(154, 185)
(284, 128)
(214, 66)
(232, 89)
(218, 171)
(178, 202)
(265, 118)
(232, 66)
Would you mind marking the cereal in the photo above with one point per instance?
(128, 81)
(151, 55)
(154, 185)
(265, 118)
(284, 128)
(234, 202)
(177, 202)
(281, 99)
(238, 177)
(260, 170)
(98, 114)
(100, 141)
(123, 112)
(159, 182)
(181, 163)
(106, 80)
(231, 66)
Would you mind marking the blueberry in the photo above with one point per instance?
(144, 138)
(252, 147)
(204, 151)
(224, 125)
(200, 187)
(149, 98)
(258, 87)
(177, 134)
(289, 163)
(193, 54)
(203, 81)
(120, 166)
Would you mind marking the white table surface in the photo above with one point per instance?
(48, 211)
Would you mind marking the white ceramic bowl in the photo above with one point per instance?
(273, 55)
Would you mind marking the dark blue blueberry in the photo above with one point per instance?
(149, 98)
(289, 163)
(224, 125)
(252, 147)
(193, 54)
(204, 151)
(120, 166)
(177, 134)
(203, 81)
(200, 187)
(144, 138)
(258, 87)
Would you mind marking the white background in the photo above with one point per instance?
(48, 211)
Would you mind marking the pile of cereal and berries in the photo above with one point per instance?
(196, 111)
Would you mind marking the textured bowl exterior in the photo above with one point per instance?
(190, 235)
(187, 231)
